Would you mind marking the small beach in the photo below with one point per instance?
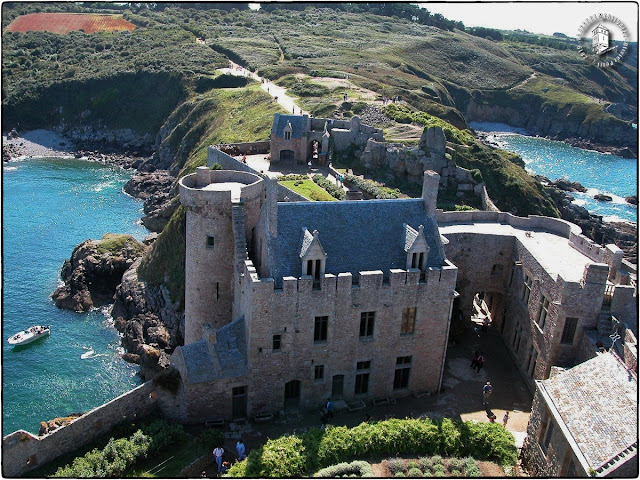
(36, 143)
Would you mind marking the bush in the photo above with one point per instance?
(400, 474)
(357, 468)
(333, 190)
(216, 166)
(439, 471)
(471, 468)
(396, 465)
(369, 187)
(414, 472)
(211, 437)
(455, 466)
(411, 465)
(285, 178)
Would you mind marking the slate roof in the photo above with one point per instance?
(356, 235)
(226, 358)
(298, 124)
(597, 401)
(410, 236)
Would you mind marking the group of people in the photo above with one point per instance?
(218, 453)
(387, 100)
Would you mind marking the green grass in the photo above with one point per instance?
(176, 458)
(309, 190)
(114, 243)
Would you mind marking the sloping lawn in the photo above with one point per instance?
(308, 189)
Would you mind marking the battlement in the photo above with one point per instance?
(347, 282)
(218, 186)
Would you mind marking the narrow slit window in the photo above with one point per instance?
(210, 241)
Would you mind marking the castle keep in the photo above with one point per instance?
(292, 302)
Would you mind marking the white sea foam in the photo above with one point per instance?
(9, 169)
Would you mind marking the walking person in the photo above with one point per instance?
(217, 453)
(474, 360)
(486, 393)
(241, 450)
(479, 363)
(330, 408)
(505, 419)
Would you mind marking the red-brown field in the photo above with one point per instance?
(67, 22)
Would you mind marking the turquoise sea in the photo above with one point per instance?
(598, 172)
(49, 206)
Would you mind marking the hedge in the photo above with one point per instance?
(333, 190)
(368, 187)
(295, 456)
(118, 455)
(358, 468)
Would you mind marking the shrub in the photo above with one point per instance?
(396, 465)
(333, 190)
(369, 187)
(357, 468)
(439, 471)
(414, 472)
(284, 178)
(400, 474)
(411, 465)
(216, 166)
(211, 437)
(455, 466)
(471, 468)
(283, 457)
(450, 443)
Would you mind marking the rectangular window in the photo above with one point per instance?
(309, 267)
(513, 271)
(277, 342)
(318, 373)
(526, 291)
(547, 437)
(362, 383)
(414, 260)
(543, 313)
(403, 369)
(408, 320)
(367, 319)
(362, 377)
(320, 329)
(210, 241)
(569, 330)
(363, 365)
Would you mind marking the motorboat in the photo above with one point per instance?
(29, 335)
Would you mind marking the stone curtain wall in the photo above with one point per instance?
(291, 310)
(22, 451)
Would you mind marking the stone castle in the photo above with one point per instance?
(289, 303)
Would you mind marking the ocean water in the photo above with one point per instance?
(598, 172)
(49, 206)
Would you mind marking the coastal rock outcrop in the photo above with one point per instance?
(95, 270)
(158, 191)
(622, 234)
(152, 325)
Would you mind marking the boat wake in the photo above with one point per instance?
(91, 354)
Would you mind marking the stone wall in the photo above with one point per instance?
(290, 312)
(214, 155)
(555, 461)
(22, 451)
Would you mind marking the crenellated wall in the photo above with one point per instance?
(22, 451)
(290, 311)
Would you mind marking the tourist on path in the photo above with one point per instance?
(241, 450)
(330, 408)
(479, 363)
(505, 419)
(217, 453)
(474, 360)
(486, 393)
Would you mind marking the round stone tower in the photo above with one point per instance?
(222, 208)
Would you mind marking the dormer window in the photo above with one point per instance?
(288, 129)
(312, 255)
(415, 244)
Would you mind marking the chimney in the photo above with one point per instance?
(430, 191)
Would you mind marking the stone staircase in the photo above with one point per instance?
(605, 325)
(239, 236)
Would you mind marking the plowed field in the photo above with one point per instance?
(67, 22)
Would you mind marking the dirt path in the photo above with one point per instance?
(278, 93)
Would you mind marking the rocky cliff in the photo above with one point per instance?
(95, 270)
(152, 325)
